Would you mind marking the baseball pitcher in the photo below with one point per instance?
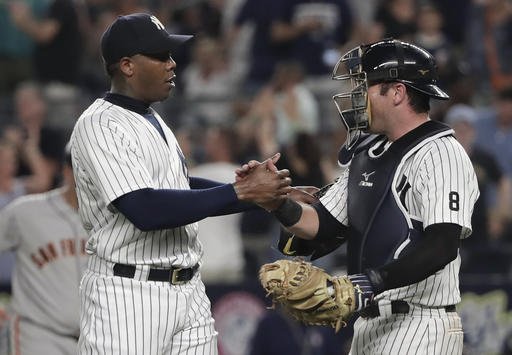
(142, 291)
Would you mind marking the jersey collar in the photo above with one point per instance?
(128, 103)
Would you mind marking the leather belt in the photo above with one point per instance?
(175, 276)
(397, 307)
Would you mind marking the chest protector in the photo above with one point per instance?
(379, 224)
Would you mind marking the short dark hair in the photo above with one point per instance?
(419, 101)
(111, 69)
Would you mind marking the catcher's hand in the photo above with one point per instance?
(308, 293)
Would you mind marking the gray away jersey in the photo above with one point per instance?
(49, 242)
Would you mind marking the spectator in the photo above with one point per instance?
(221, 236)
(96, 18)
(455, 18)
(371, 32)
(57, 37)
(431, 37)
(203, 18)
(494, 130)
(497, 40)
(307, 167)
(364, 13)
(398, 18)
(267, 46)
(281, 111)
(317, 29)
(284, 108)
(209, 84)
(15, 48)
(34, 177)
(330, 143)
(490, 218)
(57, 55)
(255, 137)
(488, 43)
(39, 146)
(238, 47)
(302, 157)
(309, 31)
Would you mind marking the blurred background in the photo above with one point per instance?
(256, 80)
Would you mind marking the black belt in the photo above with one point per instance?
(175, 276)
(397, 307)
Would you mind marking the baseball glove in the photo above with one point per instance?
(308, 293)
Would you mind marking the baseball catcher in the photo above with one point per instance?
(402, 203)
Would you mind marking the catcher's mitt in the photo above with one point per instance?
(304, 292)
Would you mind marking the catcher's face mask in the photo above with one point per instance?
(352, 103)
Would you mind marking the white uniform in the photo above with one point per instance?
(441, 177)
(116, 151)
(47, 236)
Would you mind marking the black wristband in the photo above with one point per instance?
(288, 213)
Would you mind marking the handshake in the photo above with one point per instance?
(263, 184)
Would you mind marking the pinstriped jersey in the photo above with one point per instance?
(116, 151)
(434, 183)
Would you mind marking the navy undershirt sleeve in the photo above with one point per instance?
(239, 206)
(150, 209)
(202, 183)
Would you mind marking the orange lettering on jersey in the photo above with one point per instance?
(72, 245)
(54, 250)
(83, 242)
(68, 247)
(46, 253)
(36, 260)
(64, 247)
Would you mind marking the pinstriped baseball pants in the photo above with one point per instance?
(127, 316)
(426, 331)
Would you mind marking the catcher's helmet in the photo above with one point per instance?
(388, 60)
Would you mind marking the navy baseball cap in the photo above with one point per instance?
(137, 33)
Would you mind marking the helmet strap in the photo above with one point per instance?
(399, 54)
(368, 110)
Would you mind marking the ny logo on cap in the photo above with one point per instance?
(157, 22)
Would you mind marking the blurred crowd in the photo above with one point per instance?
(256, 79)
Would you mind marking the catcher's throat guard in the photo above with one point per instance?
(352, 103)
